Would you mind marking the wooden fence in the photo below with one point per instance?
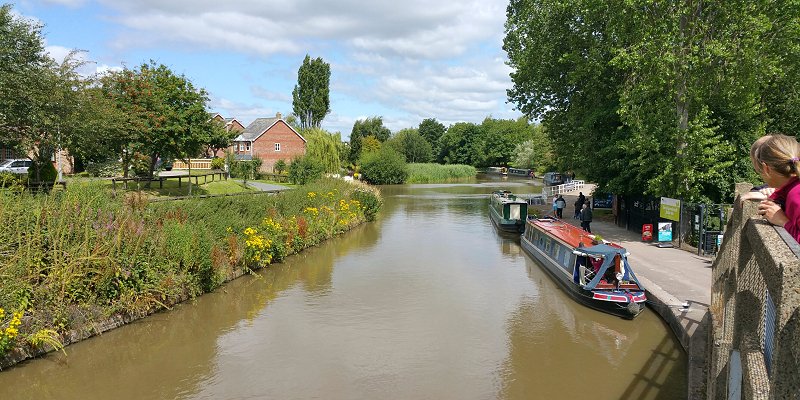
(197, 163)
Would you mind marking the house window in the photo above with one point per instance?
(277, 147)
(239, 147)
(247, 148)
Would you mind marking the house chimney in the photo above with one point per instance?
(278, 115)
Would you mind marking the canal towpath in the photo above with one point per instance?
(678, 284)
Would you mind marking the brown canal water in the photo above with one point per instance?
(428, 302)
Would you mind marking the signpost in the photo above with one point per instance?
(670, 209)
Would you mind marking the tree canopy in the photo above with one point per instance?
(411, 145)
(662, 98)
(372, 126)
(311, 96)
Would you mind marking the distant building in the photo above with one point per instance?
(63, 157)
(231, 124)
(270, 139)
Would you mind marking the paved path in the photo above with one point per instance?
(264, 187)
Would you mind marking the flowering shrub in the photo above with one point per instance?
(9, 334)
(110, 255)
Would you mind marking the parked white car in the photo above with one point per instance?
(16, 166)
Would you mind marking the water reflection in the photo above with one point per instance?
(426, 302)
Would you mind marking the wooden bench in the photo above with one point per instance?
(213, 175)
(138, 180)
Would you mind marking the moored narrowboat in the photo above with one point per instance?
(508, 211)
(594, 273)
(503, 171)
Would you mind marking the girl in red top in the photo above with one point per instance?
(777, 159)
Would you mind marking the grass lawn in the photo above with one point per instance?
(171, 188)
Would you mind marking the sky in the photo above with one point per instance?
(403, 61)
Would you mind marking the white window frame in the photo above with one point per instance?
(277, 147)
(247, 146)
(238, 147)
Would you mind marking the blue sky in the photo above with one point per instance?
(402, 60)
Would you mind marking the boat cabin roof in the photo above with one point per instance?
(505, 196)
(569, 234)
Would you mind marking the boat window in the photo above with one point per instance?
(514, 211)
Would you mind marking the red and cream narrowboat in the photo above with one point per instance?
(594, 273)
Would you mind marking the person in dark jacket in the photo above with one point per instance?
(561, 204)
(586, 218)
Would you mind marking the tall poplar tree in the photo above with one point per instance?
(311, 96)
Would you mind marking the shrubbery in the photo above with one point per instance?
(384, 167)
(105, 169)
(47, 172)
(305, 169)
(218, 163)
(77, 256)
(247, 169)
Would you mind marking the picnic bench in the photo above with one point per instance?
(138, 180)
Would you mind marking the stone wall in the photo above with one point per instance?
(755, 310)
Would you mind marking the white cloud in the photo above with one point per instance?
(404, 60)
(57, 53)
(413, 28)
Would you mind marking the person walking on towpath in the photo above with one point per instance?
(561, 204)
(586, 218)
(579, 205)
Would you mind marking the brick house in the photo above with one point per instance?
(66, 160)
(8, 153)
(231, 124)
(271, 139)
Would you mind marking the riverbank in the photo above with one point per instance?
(81, 262)
(678, 285)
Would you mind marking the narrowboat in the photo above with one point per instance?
(503, 171)
(521, 172)
(592, 271)
(508, 211)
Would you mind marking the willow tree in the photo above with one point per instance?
(311, 96)
(324, 148)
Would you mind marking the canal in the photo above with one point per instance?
(427, 302)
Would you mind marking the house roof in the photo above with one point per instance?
(259, 127)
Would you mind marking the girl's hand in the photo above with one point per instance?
(772, 212)
(767, 191)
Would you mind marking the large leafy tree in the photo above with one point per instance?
(167, 114)
(311, 96)
(535, 151)
(662, 98)
(461, 144)
(219, 138)
(22, 67)
(500, 137)
(432, 130)
(372, 126)
(412, 145)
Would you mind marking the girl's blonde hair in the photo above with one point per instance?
(780, 152)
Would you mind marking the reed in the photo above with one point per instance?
(438, 173)
(73, 257)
